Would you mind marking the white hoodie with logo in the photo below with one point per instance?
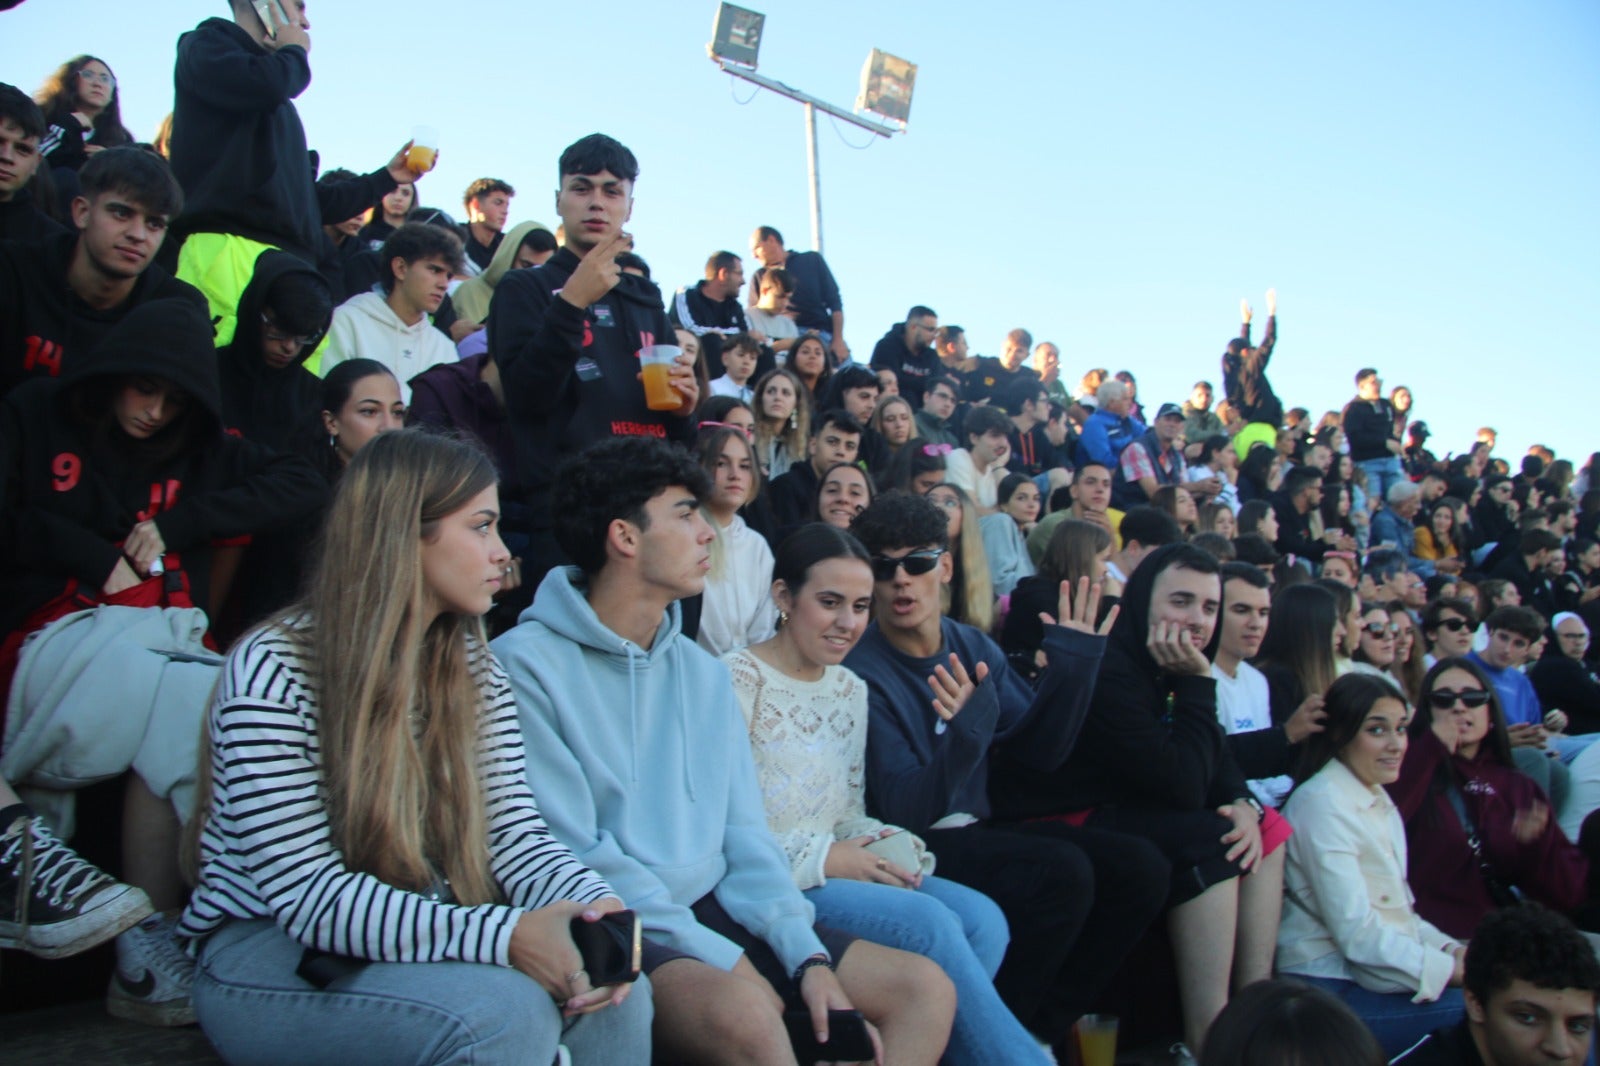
(365, 327)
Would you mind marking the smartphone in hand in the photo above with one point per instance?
(848, 1039)
(270, 14)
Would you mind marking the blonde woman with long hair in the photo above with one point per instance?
(969, 595)
(371, 863)
(783, 420)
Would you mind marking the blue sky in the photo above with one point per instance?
(1418, 181)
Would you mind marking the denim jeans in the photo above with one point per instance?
(255, 1010)
(1393, 1018)
(957, 927)
(1381, 473)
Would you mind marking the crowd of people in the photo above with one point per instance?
(893, 702)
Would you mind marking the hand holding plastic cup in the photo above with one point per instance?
(655, 363)
(424, 149)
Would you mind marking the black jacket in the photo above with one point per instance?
(76, 484)
(238, 148)
(1369, 426)
(711, 321)
(1244, 377)
(1294, 530)
(259, 403)
(911, 369)
(21, 219)
(44, 326)
(1565, 684)
(571, 374)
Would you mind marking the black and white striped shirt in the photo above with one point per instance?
(266, 849)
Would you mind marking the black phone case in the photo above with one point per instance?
(607, 947)
(848, 1040)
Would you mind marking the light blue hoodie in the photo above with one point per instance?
(641, 761)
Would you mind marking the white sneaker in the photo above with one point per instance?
(54, 904)
(153, 978)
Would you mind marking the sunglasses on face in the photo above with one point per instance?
(1454, 625)
(937, 449)
(1381, 629)
(916, 563)
(1443, 699)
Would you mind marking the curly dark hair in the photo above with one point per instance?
(615, 479)
(901, 520)
(416, 241)
(1532, 943)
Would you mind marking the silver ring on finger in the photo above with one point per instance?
(575, 974)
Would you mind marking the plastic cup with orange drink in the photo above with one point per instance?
(655, 363)
(424, 149)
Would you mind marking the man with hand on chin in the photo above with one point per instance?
(567, 337)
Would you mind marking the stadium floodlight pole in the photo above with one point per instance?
(812, 106)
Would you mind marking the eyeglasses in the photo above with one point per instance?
(916, 563)
(1443, 699)
(1454, 625)
(95, 75)
(271, 334)
(1380, 629)
(937, 449)
(726, 425)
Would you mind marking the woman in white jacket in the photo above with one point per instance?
(1349, 922)
(737, 610)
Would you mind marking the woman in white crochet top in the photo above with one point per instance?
(808, 727)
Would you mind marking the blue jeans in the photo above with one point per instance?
(1393, 1018)
(1570, 747)
(255, 1010)
(957, 927)
(1381, 473)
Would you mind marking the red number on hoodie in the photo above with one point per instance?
(44, 354)
(67, 468)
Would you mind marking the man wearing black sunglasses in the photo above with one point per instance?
(1447, 624)
(1077, 899)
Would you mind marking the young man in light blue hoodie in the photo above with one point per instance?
(641, 760)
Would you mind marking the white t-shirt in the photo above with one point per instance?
(1244, 706)
(984, 489)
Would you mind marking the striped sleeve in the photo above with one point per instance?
(267, 848)
(530, 865)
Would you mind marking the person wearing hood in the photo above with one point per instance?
(567, 336)
(472, 298)
(267, 392)
(119, 480)
(240, 153)
(22, 125)
(642, 757)
(393, 328)
(1152, 762)
(62, 295)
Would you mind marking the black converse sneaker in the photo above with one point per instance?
(52, 903)
(153, 978)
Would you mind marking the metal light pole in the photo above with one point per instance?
(812, 106)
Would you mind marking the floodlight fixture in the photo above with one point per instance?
(886, 84)
(736, 35)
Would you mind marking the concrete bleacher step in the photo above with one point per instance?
(83, 1034)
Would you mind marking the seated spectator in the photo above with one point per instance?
(1109, 429)
(360, 399)
(488, 204)
(1531, 985)
(467, 398)
(814, 301)
(1261, 473)
(979, 468)
(438, 881)
(1407, 669)
(119, 482)
(935, 422)
(1032, 451)
(844, 492)
(1200, 423)
(1005, 532)
(1216, 545)
(526, 244)
(710, 309)
(1275, 1022)
(1385, 577)
(1151, 460)
(736, 609)
(1339, 566)
(1089, 894)
(393, 327)
(1175, 501)
(393, 210)
(810, 361)
(29, 210)
(1393, 526)
(1438, 540)
(1047, 364)
(1256, 550)
(1525, 568)
(267, 393)
(1481, 834)
(894, 421)
(990, 377)
(84, 111)
(1298, 655)
(1350, 925)
(782, 408)
(740, 353)
(916, 468)
(855, 390)
(235, 128)
(855, 869)
(835, 438)
(1512, 633)
(770, 317)
(907, 350)
(1214, 460)
(1447, 626)
(1076, 550)
(968, 597)
(1091, 502)
(1264, 751)
(1151, 764)
(63, 295)
(1142, 531)
(1374, 651)
(660, 795)
(1565, 681)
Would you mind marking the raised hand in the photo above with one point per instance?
(1272, 302)
(1244, 312)
(952, 688)
(597, 272)
(1079, 612)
